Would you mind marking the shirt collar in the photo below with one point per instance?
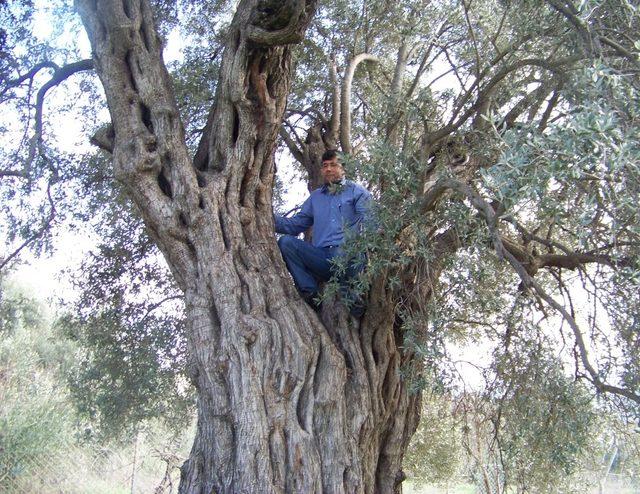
(325, 187)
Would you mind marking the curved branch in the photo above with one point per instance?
(159, 304)
(29, 75)
(345, 117)
(309, 112)
(60, 75)
(335, 96)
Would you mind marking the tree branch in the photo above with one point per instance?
(621, 50)
(345, 118)
(568, 10)
(104, 138)
(553, 102)
(553, 66)
(423, 63)
(528, 282)
(43, 228)
(60, 75)
(539, 94)
(28, 76)
(12, 173)
(336, 111)
(291, 144)
(472, 35)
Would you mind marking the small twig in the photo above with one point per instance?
(45, 226)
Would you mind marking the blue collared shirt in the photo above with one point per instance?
(331, 215)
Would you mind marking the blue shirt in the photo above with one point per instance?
(329, 214)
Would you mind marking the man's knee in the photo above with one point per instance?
(286, 243)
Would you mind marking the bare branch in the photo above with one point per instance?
(551, 65)
(312, 113)
(552, 103)
(159, 304)
(291, 144)
(568, 10)
(60, 75)
(424, 62)
(539, 94)
(12, 173)
(345, 117)
(472, 35)
(299, 141)
(621, 50)
(395, 111)
(28, 76)
(334, 128)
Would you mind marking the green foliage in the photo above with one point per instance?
(435, 455)
(36, 417)
(544, 423)
(586, 172)
(129, 321)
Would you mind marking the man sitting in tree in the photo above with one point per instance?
(334, 210)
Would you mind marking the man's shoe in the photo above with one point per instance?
(311, 299)
(357, 308)
(357, 311)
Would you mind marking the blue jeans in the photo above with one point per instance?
(311, 265)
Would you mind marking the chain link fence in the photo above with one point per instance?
(150, 464)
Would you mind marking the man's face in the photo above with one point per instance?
(332, 170)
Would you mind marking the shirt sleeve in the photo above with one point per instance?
(362, 204)
(297, 223)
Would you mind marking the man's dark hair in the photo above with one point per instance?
(329, 154)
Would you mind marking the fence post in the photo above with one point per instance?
(135, 456)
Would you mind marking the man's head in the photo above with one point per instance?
(332, 170)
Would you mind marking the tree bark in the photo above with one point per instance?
(287, 402)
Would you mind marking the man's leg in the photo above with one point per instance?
(350, 296)
(306, 263)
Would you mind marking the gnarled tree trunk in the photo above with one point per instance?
(287, 402)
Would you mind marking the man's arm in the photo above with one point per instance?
(297, 223)
(362, 204)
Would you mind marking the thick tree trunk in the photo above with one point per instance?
(286, 402)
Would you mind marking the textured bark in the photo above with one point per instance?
(287, 402)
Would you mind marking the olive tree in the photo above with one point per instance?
(480, 186)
